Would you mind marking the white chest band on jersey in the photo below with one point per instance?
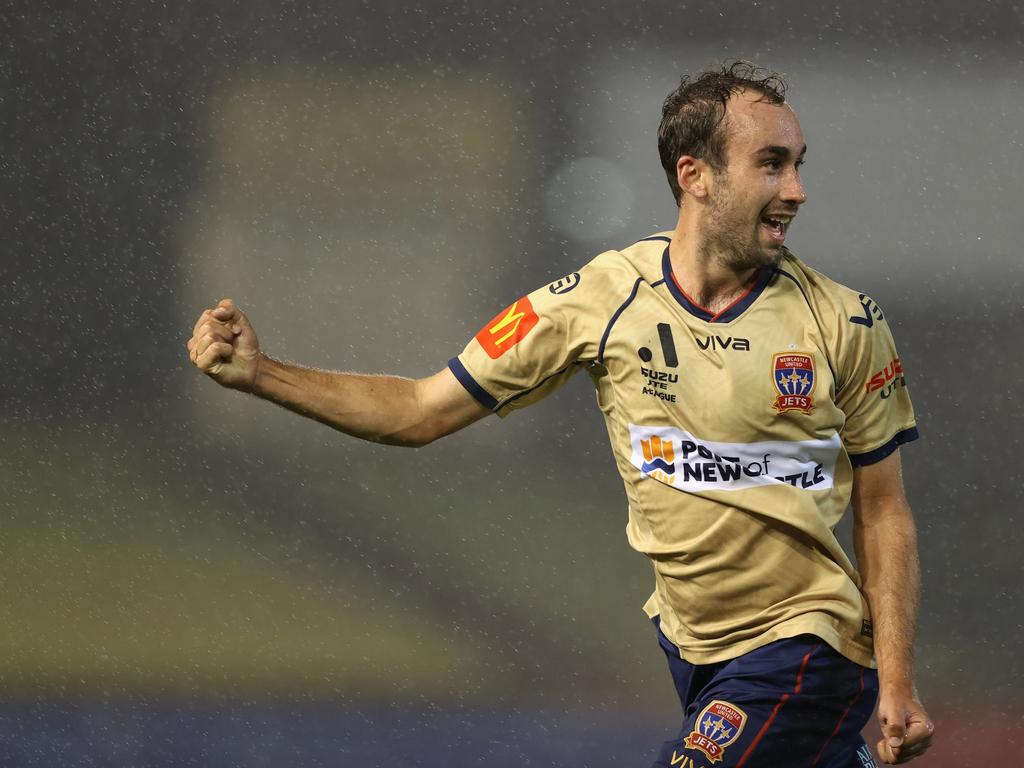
(687, 463)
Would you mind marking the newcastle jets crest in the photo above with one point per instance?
(793, 375)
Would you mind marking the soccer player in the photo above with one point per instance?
(748, 399)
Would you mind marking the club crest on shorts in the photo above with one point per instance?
(718, 725)
(793, 376)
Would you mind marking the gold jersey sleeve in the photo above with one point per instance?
(533, 346)
(873, 394)
(736, 433)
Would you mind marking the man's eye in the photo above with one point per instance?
(799, 163)
(773, 164)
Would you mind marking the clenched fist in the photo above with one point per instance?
(906, 727)
(224, 346)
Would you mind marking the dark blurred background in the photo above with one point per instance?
(190, 577)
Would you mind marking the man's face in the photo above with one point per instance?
(753, 199)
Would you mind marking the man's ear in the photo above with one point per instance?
(692, 173)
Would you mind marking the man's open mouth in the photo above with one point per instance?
(777, 224)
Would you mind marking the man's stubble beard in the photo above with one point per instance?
(728, 239)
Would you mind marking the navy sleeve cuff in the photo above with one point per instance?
(465, 379)
(873, 457)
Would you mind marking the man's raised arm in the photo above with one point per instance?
(384, 409)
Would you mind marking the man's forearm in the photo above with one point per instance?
(384, 409)
(888, 559)
(885, 539)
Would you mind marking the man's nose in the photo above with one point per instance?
(793, 189)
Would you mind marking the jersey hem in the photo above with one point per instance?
(873, 457)
(851, 650)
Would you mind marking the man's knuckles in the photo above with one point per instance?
(213, 356)
(216, 326)
(209, 340)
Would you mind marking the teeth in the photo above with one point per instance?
(779, 221)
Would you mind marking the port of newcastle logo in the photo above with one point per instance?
(659, 459)
(676, 458)
(718, 725)
(793, 375)
(507, 328)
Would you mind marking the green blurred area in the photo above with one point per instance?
(113, 580)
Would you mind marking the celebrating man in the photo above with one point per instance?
(748, 398)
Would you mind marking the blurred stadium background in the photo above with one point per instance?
(193, 578)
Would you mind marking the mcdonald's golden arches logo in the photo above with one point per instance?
(507, 328)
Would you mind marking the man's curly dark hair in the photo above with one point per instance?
(692, 115)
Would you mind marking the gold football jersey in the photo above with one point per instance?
(735, 433)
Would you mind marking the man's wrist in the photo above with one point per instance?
(896, 684)
(263, 365)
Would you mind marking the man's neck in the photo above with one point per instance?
(703, 274)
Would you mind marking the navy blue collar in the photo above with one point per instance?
(731, 312)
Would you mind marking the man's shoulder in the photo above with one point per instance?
(818, 288)
(641, 259)
(616, 270)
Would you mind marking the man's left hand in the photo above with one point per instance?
(906, 728)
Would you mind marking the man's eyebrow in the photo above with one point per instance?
(776, 149)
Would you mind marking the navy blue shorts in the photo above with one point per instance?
(794, 703)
